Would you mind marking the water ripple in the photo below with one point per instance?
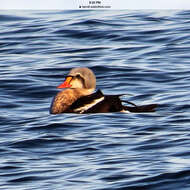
(144, 54)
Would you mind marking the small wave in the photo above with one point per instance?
(10, 18)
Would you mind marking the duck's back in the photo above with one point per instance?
(96, 103)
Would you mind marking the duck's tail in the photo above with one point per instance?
(140, 109)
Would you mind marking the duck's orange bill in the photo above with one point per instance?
(66, 83)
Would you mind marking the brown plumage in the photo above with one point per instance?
(66, 98)
(79, 97)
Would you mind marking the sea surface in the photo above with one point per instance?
(142, 53)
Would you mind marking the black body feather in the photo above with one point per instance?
(100, 103)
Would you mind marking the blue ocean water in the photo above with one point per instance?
(144, 53)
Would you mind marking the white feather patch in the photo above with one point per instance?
(125, 111)
(88, 106)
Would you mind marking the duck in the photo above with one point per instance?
(80, 96)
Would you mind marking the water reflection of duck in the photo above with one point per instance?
(79, 97)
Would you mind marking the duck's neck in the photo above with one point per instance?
(84, 92)
(78, 92)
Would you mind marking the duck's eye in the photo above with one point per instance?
(78, 76)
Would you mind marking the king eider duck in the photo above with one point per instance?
(79, 97)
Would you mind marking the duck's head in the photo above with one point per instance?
(81, 77)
